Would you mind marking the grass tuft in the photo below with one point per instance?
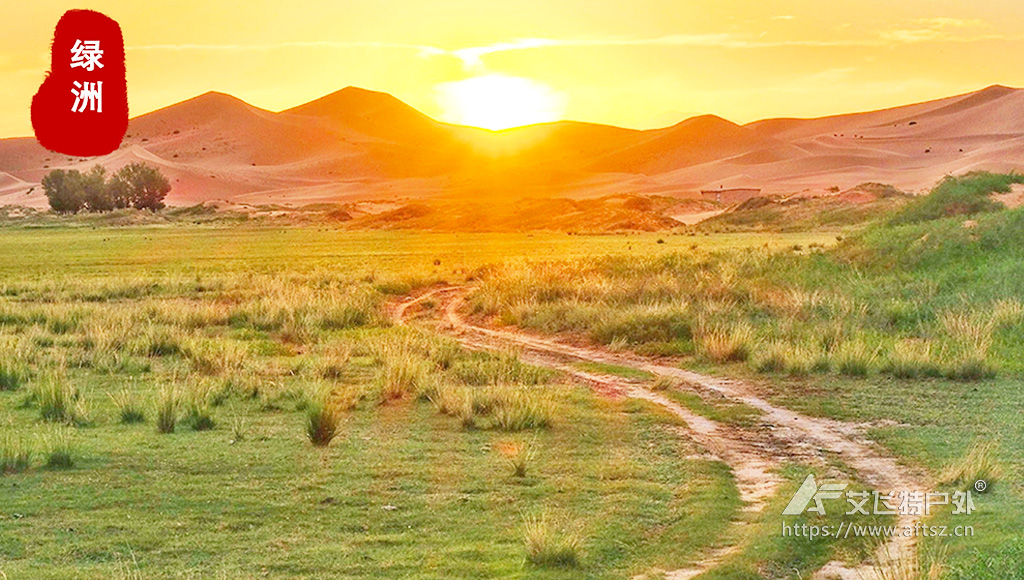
(981, 462)
(59, 401)
(129, 409)
(727, 343)
(323, 414)
(518, 455)
(58, 449)
(167, 409)
(15, 454)
(548, 546)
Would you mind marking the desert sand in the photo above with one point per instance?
(360, 145)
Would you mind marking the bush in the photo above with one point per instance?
(953, 196)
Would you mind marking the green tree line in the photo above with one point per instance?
(136, 185)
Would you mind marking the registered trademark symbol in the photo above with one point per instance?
(980, 485)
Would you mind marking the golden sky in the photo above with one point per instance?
(636, 63)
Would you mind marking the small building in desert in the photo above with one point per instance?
(730, 196)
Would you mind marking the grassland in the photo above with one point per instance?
(156, 384)
(914, 324)
(220, 400)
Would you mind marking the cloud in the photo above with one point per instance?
(941, 29)
(918, 31)
(422, 50)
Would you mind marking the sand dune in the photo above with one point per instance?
(356, 144)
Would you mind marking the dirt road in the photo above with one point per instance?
(751, 454)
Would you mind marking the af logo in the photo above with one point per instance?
(809, 490)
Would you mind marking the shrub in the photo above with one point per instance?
(167, 409)
(15, 454)
(129, 410)
(953, 196)
(548, 546)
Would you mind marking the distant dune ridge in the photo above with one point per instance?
(356, 144)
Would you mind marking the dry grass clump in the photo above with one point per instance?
(58, 448)
(323, 413)
(215, 357)
(449, 399)
(167, 408)
(504, 368)
(402, 375)
(129, 409)
(198, 414)
(332, 362)
(505, 408)
(12, 374)
(59, 400)
(15, 454)
(726, 343)
(981, 462)
(854, 359)
(548, 545)
(911, 359)
(518, 455)
(916, 566)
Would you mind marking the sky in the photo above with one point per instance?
(634, 63)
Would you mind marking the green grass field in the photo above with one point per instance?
(244, 322)
(249, 343)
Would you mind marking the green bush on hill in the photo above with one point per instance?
(954, 196)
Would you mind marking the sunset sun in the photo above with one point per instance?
(499, 102)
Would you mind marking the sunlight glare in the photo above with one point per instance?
(499, 102)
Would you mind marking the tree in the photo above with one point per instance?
(136, 185)
(140, 186)
(64, 190)
(95, 191)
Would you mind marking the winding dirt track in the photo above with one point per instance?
(751, 455)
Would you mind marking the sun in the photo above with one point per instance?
(499, 102)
